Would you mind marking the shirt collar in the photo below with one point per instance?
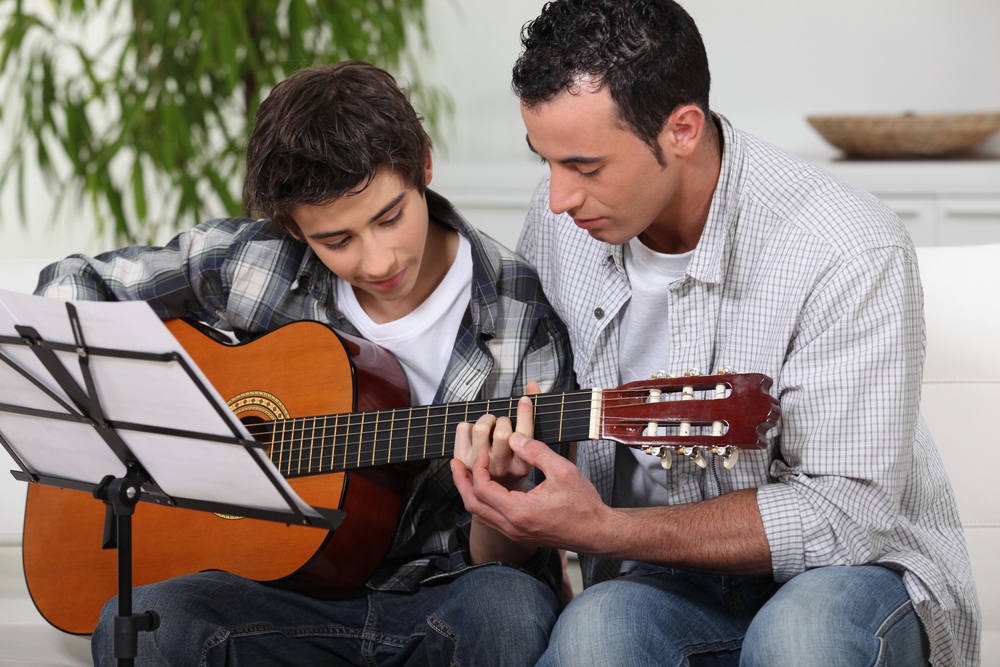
(709, 256)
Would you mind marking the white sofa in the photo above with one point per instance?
(961, 390)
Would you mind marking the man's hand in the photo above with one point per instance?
(564, 511)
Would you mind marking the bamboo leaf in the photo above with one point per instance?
(138, 189)
(167, 95)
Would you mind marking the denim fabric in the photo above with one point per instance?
(655, 616)
(838, 617)
(490, 615)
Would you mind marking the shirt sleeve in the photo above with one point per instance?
(183, 278)
(849, 392)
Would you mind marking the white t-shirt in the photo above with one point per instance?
(423, 339)
(644, 348)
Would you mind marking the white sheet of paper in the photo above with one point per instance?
(157, 394)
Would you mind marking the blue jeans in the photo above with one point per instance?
(490, 615)
(830, 617)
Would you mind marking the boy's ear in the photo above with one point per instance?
(294, 231)
(428, 167)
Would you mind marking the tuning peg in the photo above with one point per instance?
(698, 459)
(694, 454)
(662, 453)
(729, 460)
(730, 456)
(666, 458)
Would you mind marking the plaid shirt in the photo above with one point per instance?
(802, 278)
(249, 277)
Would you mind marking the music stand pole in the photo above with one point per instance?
(121, 494)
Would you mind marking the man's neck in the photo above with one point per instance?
(678, 229)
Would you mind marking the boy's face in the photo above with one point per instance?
(377, 241)
(604, 176)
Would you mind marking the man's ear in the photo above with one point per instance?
(683, 130)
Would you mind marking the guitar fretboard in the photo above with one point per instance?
(340, 442)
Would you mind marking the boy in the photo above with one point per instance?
(339, 163)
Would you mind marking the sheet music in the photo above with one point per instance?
(157, 394)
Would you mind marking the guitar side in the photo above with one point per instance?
(298, 370)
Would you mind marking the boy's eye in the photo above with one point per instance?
(590, 174)
(337, 245)
(394, 219)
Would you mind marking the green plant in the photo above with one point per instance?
(139, 109)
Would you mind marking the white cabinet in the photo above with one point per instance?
(941, 202)
(969, 220)
(918, 214)
(948, 219)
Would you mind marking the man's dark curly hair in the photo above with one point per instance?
(326, 132)
(648, 53)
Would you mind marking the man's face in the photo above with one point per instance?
(376, 241)
(605, 177)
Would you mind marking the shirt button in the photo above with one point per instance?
(599, 313)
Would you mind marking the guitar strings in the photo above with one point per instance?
(321, 447)
(569, 409)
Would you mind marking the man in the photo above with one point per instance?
(668, 240)
(339, 163)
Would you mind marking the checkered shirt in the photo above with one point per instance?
(815, 284)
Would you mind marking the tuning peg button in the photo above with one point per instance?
(729, 459)
(666, 458)
(698, 459)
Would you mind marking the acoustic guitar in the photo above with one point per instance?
(333, 412)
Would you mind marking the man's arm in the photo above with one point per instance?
(723, 535)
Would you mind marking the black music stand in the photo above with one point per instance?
(70, 418)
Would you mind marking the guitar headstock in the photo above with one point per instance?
(691, 415)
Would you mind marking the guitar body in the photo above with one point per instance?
(299, 370)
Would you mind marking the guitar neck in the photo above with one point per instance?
(332, 443)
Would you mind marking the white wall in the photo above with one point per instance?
(773, 63)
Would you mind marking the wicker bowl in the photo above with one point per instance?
(906, 135)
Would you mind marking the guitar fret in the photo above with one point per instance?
(562, 411)
(445, 430)
(342, 441)
(392, 424)
(322, 446)
(312, 445)
(375, 436)
(409, 420)
(347, 441)
(427, 430)
(281, 451)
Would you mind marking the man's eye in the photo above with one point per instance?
(337, 245)
(590, 174)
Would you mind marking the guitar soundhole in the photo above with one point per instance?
(259, 434)
(256, 407)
